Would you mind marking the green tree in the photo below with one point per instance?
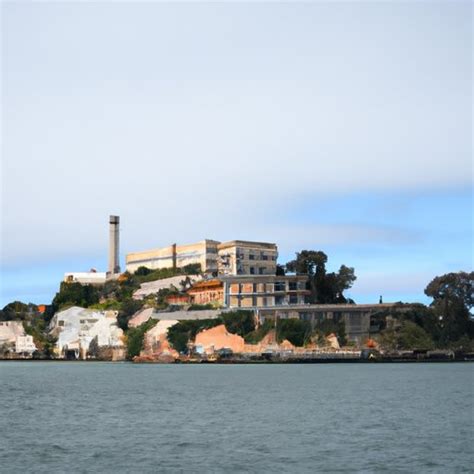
(135, 338)
(185, 331)
(239, 322)
(412, 336)
(297, 331)
(325, 287)
(143, 271)
(453, 298)
(75, 294)
(19, 311)
(128, 308)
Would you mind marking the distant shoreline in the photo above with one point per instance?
(257, 362)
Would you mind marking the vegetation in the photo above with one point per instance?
(259, 333)
(75, 294)
(180, 334)
(408, 335)
(324, 328)
(135, 338)
(325, 287)
(445, 324)
(297, 331)
(34, 323)
(127, 309)
(201, 307)
(239, 322)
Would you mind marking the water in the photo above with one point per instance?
(58, 417)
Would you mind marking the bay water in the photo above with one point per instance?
(84, 417)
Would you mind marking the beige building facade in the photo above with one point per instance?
(176, 256)
(237, 257)
(251, 291)
(241, 257)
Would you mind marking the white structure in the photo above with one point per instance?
(10, 330)
(25, 345)
(13, 333)
(99, 278)
(76, 328)
(86, 278)
(152, 287)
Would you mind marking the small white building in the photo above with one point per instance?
(10, 330)
(25, 345)
(86, 278)
(12, 333)
(76, 327)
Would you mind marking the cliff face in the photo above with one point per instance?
(156, 347)
(217, 338)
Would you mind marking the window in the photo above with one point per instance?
(261, 271)
(264, 257)
(293, 299)
(251, 257)
(252, 270)
(279, 286)
(292, 286)
(279, 300)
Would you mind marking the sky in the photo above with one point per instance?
(337, 126)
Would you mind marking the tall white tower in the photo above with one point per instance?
(114, 233)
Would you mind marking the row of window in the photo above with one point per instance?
(265, 301)
(272, 287)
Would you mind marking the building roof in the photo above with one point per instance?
(247, 243)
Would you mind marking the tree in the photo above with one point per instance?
(239, 322)
(75, 294)
(296, 331)
(412, 336)
(17, 310)
(128, 308)
(453, 298)
(142, 271)
(135, 338)
(181, 333)
(280, 270)
(459, 286)
(325, 287)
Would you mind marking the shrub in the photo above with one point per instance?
(295, 330)
(239, 322)
(185, 331)
(135, 337)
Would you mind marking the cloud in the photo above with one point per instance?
(208, 121)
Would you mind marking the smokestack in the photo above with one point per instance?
(173, 250)
(114, 265)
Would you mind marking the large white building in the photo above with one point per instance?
(76, 327)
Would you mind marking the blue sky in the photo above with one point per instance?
(345, 127)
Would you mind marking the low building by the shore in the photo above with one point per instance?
(356, 317)
(14, 339)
